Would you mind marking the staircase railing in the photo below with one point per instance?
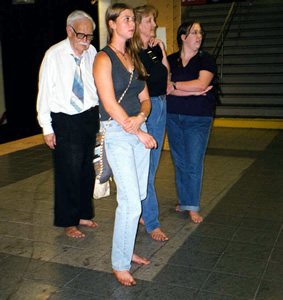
(219, 45)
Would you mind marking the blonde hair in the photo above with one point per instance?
(112, 13)
(140, 13)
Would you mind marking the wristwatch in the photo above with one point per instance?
(174, 85)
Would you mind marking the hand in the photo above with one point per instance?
(50, 140)
(153, 42)
(203, 93)
(132, 124)
(147, 139)
(170, 88)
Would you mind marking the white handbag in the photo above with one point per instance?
(101, 189)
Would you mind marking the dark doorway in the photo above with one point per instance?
(26, 32)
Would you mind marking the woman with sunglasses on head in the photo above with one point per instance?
(190, 106)
(127, 143)
(153, 56)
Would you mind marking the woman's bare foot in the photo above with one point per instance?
(124, 277)
(178, 209)
(195, 217)
(89, 223)
(141, 221)
(73, 231)
(140, 260)
(158, 235)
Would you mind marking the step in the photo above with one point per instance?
(252, 89)
(254, 78)
(271, 100)
(244, 19)
(246, 112)
(242, 9)
(253, 69)
(276, 23)
(247, 33)
(229, 50)
(243, 42)
(251, 59)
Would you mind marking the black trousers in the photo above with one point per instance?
(73, 167)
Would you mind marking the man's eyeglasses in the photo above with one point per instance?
(81, 36)
(195, 32)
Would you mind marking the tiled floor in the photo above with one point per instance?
(236, 253)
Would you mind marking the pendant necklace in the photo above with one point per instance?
(123, 54)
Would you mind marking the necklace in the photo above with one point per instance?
(123, 54)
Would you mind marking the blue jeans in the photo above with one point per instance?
(129, 160)
(188, 137)
(156, 123)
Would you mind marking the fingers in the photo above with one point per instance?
(50, 140)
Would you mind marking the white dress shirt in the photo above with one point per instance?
(55, 84)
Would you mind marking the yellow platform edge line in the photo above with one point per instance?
(248, 123)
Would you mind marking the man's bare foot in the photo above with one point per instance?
(158, 235)
(141, 221)
(140, 260)
(124, 277)
(89, 223)
(195, 217)
(73, 231)
(178, 209)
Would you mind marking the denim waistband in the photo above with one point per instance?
(160, 97)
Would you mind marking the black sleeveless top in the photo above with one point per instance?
(152, 61)
(120, 76)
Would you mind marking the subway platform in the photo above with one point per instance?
(236, 253)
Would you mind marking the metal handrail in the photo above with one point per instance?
(221, 36)
(222, 29)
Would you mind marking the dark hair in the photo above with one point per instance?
(184, 28)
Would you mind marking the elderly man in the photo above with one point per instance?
(67, 106)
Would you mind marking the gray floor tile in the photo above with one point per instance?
(29, 249)
(217, 231)
(194, 259)
(270, 290)
(261, 224)
(223, 219)
(95, 282)
(247, 250)
(277, 255)
(205, 244)
(152, 291)
(181, 276)
(255, 236)
(231, 285)
(213, 296)
(54, 274)
(27, 290)
(229, 209)
(19, 266)
(274, 272)
(266, 213)
(73, 294)
(241, 266)
(8, 281)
